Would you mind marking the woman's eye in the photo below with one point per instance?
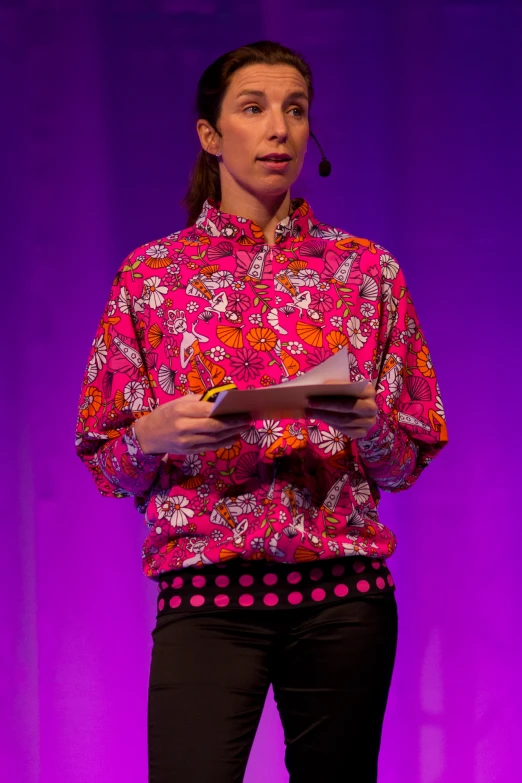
(252, 107)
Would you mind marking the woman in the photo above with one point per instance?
(264, 535)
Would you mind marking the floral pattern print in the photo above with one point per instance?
(212, 304)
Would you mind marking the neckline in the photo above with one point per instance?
(246, 232)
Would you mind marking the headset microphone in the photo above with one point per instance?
(325, 167)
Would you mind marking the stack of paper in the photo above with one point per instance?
(289, 400)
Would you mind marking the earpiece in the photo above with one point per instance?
(325, 167)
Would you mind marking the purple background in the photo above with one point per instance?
(418, 108)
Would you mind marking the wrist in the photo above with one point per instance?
(142, 434)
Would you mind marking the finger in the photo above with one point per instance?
(200, 446)
(214, 426)
(368, 392)
(197, 409)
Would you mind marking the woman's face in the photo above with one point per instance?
(264, 111)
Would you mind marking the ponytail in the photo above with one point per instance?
(204, 183)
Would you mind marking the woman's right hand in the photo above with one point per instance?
(184, 426)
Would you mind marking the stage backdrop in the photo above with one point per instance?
(418, 108)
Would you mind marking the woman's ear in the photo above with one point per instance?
(207, 136)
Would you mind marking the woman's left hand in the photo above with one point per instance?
(353, 416)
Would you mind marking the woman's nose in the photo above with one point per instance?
(278, 127)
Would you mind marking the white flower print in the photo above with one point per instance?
(332, 441)
(153, 292)
(439, 407)
(368, 366)
(333, 546)
(237, 285)
(191, 465)
(353, 367)
(183, 378)
(354, 332)
(389, 266)
(374, 323)
(133, 393)
(336, 321)
(257, 543)
(217, 535)
(269, 433)
(111, 308)
(175, 509)
(158, 251)
(217, 353)
(100, 352)
(256, 319)
(361, 491)
(223, 278)
(308, 277)
(192, 307)
(294, 347)
(351, 548)
(367, 309)
(203, 490)
(124, 301)
(246, 503)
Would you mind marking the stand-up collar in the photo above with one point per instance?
(300, 221)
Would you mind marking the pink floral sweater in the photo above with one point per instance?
(213, 303)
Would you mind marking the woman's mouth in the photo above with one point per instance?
(275, 164)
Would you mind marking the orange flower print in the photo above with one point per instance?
(229, 453)
(336, 340)
(424, 362)
(262, 339)
(91, 402)
(195, 310)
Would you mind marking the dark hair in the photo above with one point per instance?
(204, 179)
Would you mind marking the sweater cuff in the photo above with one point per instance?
(378, 441)
(134, 448)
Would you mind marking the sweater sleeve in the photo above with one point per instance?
(116, 390)
(410, 428)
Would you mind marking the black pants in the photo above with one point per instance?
(330, 668)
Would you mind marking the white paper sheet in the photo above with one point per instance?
(288, 400)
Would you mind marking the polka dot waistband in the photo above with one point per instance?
(262, 585)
